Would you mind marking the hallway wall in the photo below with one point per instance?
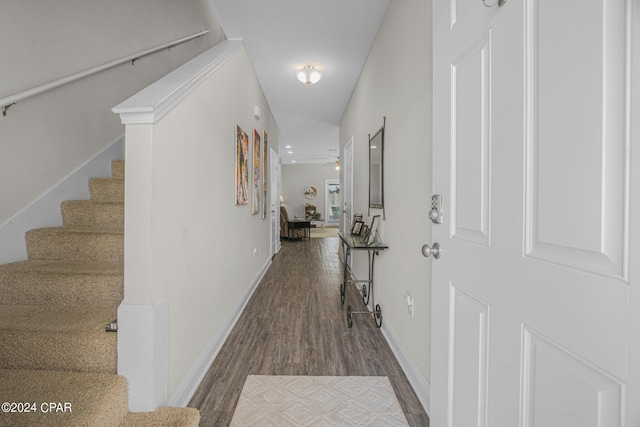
(396, 82)
(45, 138)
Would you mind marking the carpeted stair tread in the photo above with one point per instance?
(77, 243)
(57, 338)
(62, 282)
(163, 417)
(92, 213)
(95, 399)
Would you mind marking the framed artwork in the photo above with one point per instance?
(257, 191)
(373, 229)
(242, 167)
(356, 217)
(357, 227)
(363, 231)
(265, 204)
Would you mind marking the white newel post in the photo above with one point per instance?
(142, 322)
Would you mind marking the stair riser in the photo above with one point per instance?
(93, 214)
(81, 352)
(117, 169)
(62, 289)
(58, 244)
(107, 190)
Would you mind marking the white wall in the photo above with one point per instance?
(43, 139)
(203, 253)
(185, 239)
(297, 177)
(396, 82)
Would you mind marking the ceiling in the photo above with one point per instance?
(281, 36)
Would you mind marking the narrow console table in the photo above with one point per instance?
(356, 243)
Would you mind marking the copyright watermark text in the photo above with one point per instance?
(42, 407)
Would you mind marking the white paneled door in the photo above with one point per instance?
(535, 303)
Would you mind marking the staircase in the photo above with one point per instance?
(54, 312)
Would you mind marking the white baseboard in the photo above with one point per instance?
(190, 383)
(415, 376)
(419, 383)
(45, 210)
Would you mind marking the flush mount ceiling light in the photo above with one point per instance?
(309, 74)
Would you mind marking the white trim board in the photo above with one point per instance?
(192, 380)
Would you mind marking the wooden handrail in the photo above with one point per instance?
(8, 101)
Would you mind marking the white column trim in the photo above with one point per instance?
(142, 353)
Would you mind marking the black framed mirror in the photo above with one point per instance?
(376, 169)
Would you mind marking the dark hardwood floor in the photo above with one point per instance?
(294, 324)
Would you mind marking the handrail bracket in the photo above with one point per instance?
(5, 108)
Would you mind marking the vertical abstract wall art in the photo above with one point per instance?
(255, 199)
(242, 167)
(265, 207)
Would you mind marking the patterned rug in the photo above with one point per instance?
(317, 401)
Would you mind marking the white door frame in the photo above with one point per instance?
(274, 220)
(346, 186)
(327, 201)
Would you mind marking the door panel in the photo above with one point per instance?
(556, 382)
(578, 218)
(468, 335)
(470, 163)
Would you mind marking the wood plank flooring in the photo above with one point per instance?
(294, 324)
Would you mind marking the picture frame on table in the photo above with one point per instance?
(364, 230)
(357, 227)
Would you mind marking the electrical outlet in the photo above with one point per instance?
(255, 252)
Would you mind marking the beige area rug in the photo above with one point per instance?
(318, 401)
(318, 232)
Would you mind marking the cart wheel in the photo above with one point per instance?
(342, 291)
(365, 295)
(378, 315)
(349, 317)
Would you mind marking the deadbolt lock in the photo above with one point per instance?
(435, 214)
